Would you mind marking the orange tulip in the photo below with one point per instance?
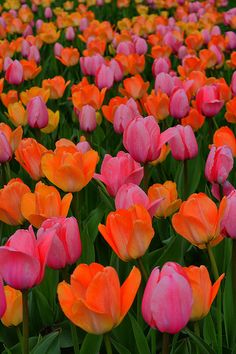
(168, 192)
(88, 94)
(28, 154)
(44, 203)
(128, 232)
(204, 292)
(69, 169)
(230, 114)
(225, 136)
(30, 69)
(134, 87)
(10, 201)
(69, 56)
(9, 97)
(195, 119)
(232, 62)
(17, 113)
(194, 41)
(34, 91)
(198, 220)
(94, 300)
(56, 85)
(48, 33)
(1, 85)
(14, 313)
(157, 105)
(13, 137)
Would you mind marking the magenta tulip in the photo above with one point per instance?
(37, 113)
(208, 100)
(14, 73)
(219, 164)
(179, 104)
(5, 148)
(228, 223)
(89, 65)
(3, 303)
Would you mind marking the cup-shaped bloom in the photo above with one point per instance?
(89, 65)
(5, 148)
(44, 203)
(56, 85)
(116, 171)
(28, 154)
(204, 292)
(130, 194)
(37, 113)
(104, 77)
(10, 201)
(124, 113)
(165, 83)
(198, 220)
(87, 118)
(179, 104)
(14, 73)
(228, 223)
(128, 232)
(167, 299)
(233, 83)
(161, 65)
(219, 163)
(225, 136)
(69, 169)
(182, 142)
(208, 100)
(142, 139)
(135, 87)
(168, 195)
(23, 259)
(94, 299)
(17, 113)
(13, 314)
(69, 56)
(66, 244)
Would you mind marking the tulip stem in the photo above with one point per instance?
(196, 332)
(25, 322)
(75, 339)
(153, 341)
(7, 172)
(146, 177)
(185, 191)
(165, 343)
(107, 343)
(218, 299)
(142, 269)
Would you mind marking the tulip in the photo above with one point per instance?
(204, 292)
(142, 139)
(34, 54)
(57, 49)
(37, 113)
(126, 48)
(14, 73)
(94, 300)
(70, 33)
(48, 13)
(23, 259)
(56, 85)
(167, 299)
(124, 114)
(128, 232)
(140, 46)
(87, 118)
(3, 303)
(233, 84)
(104, 77)
(17, 113)
(135, 87)
(44, 203)
(219, 164)
(116, 171)
(218, 191)
(208, 100)
(161, 65)
(157, 105)
(53, 121)
(179, 105)
(89, 65)
(13, 314)
(228, 226)
(66, 244)
(5, 148)
(165, 83)
(117, 69)
(230, 38)
(168, 196)
(198, 220)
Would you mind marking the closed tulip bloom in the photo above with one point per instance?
(10, 201)
(179, 104)
(5, 149)
(23, 259)
(219, 163)
(66, 245)
(89, 65)
(87, 118)
(128, 232)
(44, 203)
(142, 139)
(126, 47)
(228, 223)
(34, 54)
(117, 69)
(161, 65)
(165, 83)
(17, 113)
(69, 169)
(37, 113)
(116, 171)
(94, 299)
(198, 220)
(57, 49)
(14, 73)
(218, 191)
(130, 194)
(104, 77)
(123, 116)
(204, 292)
(140, 46)
(168, 196)
(13, 314)
(208, 100)
(167, 299)
(182, 142)
(70, 33)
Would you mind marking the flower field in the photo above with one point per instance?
(117, 177)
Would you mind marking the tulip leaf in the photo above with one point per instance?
(209, 332)
(119, 347)
(140, 339)
(48, 345)
(228, 306)
(205, 348)
(94, 218)
(91, 344)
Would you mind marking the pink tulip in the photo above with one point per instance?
(25, 46)
(117, 70)
(70, 33)
(57, 49)
(23, 259)
(66, 244)
(3, 303)
(89, 65)
(167, 300)
(182, 52)
(165, 83)
(140, 46)
(179, 104)
(14, 73)
(34, 54)
(182, 142)
(38, 24)
(126, 48)
(219, 164)
(37, 113)
(87, 118)
(83, 146)
(6, 63)
(206, 35)
(142, 139)
(28, 31)
(208, 100)
(104, 77)
(5, 148)
(48, 13)
(124, 114)
(233, 84)
(84, 23)
(228, 222)
(230, 38)
(172, 41)
(116, 171)
(161, 65)
(130, 194)
(218, 191)
(218, 53)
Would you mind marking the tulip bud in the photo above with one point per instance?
(104, 77)
(87, 118)
(228, 222)
(179, 104)
(219, 164)
(14, 73)
(57, 49)
(34, 54)
(233, 84)
(48, 13)
(13, 314)
(70, 33)
(37, 113)
(5, 148)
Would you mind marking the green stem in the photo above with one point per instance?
(142, 269)
(107, 343)
(185, 191)
(146, 177)
(197, 332)
(25, 322)
(233, 270)
(165, 343)
(75, 339)
(219, 297)
(153, 341)
(19, 336)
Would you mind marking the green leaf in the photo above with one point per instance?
(140, 338)
(93, 220)
(205, 348)
(209, 332)
(48, 345)
(91, 344)
(119, 347)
